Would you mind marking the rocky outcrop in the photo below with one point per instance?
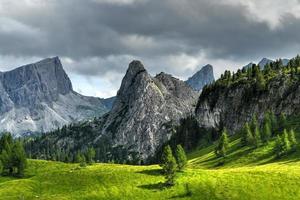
(201, 78)
(144, 111)
(232, 106)
(39, 97)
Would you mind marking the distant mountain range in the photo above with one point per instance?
(39, 97)
(265, 61)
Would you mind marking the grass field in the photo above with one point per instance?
(246, 174)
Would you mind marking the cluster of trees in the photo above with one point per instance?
(255, 76)
(87, 157)
(172, 163)
(254, 135)
(285, 143)
(12, 156)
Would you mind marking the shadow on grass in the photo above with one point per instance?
(154, 186)
(151, 172)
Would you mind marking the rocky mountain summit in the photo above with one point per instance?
(201, 78)
(39, 97)
(145, 109)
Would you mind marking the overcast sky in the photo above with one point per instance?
(96, 39)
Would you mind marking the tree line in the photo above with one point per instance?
(13, 159)
(254, 135)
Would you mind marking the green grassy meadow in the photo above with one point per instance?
(246, 174)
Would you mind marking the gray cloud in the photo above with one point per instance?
(100, 37)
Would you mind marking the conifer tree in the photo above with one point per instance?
(266, 131)
(19, 158)
(169, 166)
(250, 141)
(180, 157)
(286, 145)
(274, 123)
(293, 140)
(91, 153)
(244, 133)
(223, 144)
(253, 123)
(257, 137)
(278, 146)
(282, 122)
(260, 81)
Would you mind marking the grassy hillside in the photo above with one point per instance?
(246, 174)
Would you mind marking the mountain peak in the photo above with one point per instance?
(135, 67)
(201, 78)
(263, 62)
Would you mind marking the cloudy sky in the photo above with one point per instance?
(96, 39)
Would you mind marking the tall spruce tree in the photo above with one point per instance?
(223, 144)
(266, 131)
(282, 122)
(180, 157)
(257, 137)
(19, 158)
(91, 153)
(286, 145)
(169, 166)
(293, 140)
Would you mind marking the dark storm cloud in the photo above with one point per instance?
(92, 32)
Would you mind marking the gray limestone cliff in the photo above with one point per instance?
(145, 109)
(39, 97)
(232, 106)
(201, 78)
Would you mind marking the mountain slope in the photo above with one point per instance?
(142, 119)
(201, 78)
(39, 97)
(230, 103)
(144, 110)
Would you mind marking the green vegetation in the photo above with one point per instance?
(259, 162)
(222, 146)
(12, 156)
(169, 166)
(181, 158)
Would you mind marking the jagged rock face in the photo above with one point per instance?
(232, 107)
(39, 97)
(201, 78)
(145, 108)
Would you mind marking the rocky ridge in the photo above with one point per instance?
(39, 97)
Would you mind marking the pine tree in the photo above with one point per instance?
(80, 158)
(293, 140)
(286, 145)
(91, 153)
(266, 133)
(260, 81)
(278, 146)
(249, 137)
(257, 137)
(169, 166)
(223, 144)
(274, 124)
(244, 133)
(282, 122)
(180, 157)
(253, 124)
(19, 158)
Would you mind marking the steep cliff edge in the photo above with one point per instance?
(39, 97)
(233, 100)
